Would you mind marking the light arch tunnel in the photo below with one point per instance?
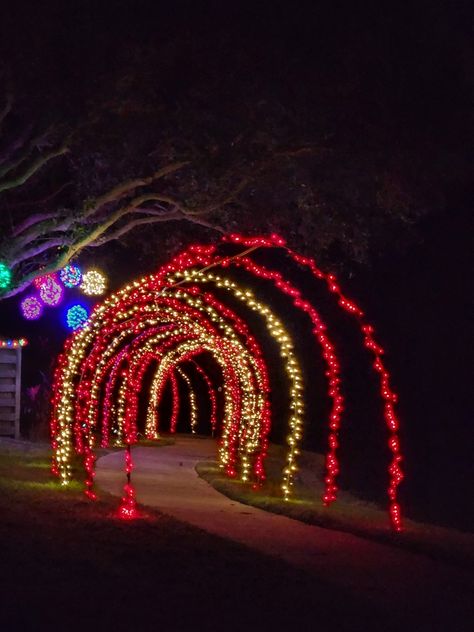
(166, 320)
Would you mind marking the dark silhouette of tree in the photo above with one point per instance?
(321, 130)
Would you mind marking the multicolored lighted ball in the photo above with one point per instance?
(71, 276)
(93, 283)
(5, 276)
(76, 316)
(51, 292)
(31, 308)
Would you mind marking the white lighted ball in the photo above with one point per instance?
(93, 283)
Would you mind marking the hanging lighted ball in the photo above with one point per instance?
(93, 283)
(51, 292)
(44, 279)
(76, 316)
(31, 308)
(71, 276)
(5, 276)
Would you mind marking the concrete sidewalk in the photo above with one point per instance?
(165, 478)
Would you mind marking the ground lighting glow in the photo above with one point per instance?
(167, 320)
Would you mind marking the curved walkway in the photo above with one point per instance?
(165, 478)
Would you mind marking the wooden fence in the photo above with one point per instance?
(10, 388)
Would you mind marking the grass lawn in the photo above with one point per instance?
(348, 513)
(67, 563)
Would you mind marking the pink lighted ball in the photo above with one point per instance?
(31, 308)
(41, 280)
(51, 292)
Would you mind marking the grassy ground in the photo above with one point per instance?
(348, 513)
(68, 564)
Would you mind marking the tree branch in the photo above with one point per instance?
(6, 108)
(127, 187)
(36, 166)
(33, 144)
(42, 201)
(204, 222)
(230, 197)
(31, 221)
(175, 214)
(123, 230)
(45, 229)
(246, 179)
(37, 250)
(16, 143)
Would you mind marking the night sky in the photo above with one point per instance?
(385, 88)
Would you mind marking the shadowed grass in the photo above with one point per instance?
(349, 513)
(77, 565)
(71, 564)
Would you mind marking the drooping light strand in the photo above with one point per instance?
(192, 400)
(212, 396)
(367, 330)
(388, 395)
(175, 402)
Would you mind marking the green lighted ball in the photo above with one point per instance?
(5, 276)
